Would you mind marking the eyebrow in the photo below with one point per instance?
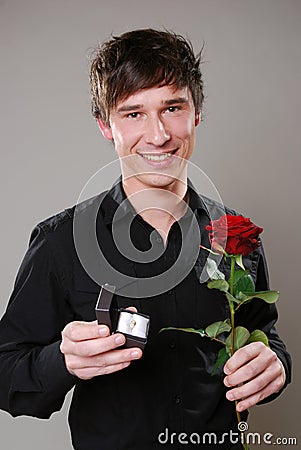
(172, 101)
(129, 108)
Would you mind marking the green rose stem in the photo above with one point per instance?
(232, 315)
(232, 312)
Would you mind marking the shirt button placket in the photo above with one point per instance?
(178, 399)
(172, 344)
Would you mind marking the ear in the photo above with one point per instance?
(105, 129)
(197, 118)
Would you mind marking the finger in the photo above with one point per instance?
(91, 372)
(132, 308)
(244, 355)
(91, 347)
(252, 387)
(107, 359)
(274, 372)
(252, 400)
(79, 331)
(252, 369)
(118, 356)
(246, 372)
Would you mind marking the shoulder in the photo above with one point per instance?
(60, 225)
(215, 209)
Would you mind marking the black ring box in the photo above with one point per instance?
(108, 313)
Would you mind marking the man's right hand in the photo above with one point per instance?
(90, 350)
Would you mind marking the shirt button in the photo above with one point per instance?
(178, 399)
(172, 345)
(159, 240)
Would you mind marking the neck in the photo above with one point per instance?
(160, 207)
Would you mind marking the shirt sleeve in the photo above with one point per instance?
(33, 376)
(263, 316)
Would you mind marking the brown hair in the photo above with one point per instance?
(142, 59)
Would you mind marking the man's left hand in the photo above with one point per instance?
(260, 371)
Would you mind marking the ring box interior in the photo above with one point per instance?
(134, 326)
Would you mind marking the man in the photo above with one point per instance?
(147, 96)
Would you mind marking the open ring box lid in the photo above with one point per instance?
(134, 326)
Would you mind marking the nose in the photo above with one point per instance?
(156, 132)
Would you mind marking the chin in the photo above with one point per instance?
(157, 180)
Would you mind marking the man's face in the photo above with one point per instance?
(154, 135)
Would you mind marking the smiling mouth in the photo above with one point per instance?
(161, 157)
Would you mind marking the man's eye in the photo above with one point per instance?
(172, 109)
(133, 115)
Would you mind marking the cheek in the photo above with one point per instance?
(186, 132)
(188, 137)
(184, 128)
(124, 137)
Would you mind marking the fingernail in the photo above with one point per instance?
(230, 396)
(103, 330)
(226, 382)
(226, 370)
(135, 354)
(119, 339)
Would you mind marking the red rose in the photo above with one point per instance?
(234, 234)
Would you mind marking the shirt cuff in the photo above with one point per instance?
(54, 374)
(40, 382)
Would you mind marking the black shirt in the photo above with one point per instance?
(171, 387)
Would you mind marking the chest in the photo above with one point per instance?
(162, 281)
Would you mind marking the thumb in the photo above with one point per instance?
(132, 308)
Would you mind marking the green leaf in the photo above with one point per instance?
(238, 274)
(230, 298)
(238, 260)
(221, 285)
(228, 350)
(222, 357)
(258, 336)
(212, 270)
(217, 328)
(267, 296)
(200, 331)
(241, 335)
(244, 284)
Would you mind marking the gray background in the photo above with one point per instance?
(248, 143)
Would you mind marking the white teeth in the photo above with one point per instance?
(157, 157)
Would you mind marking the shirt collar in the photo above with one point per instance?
(116, 198)
(196, 201)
